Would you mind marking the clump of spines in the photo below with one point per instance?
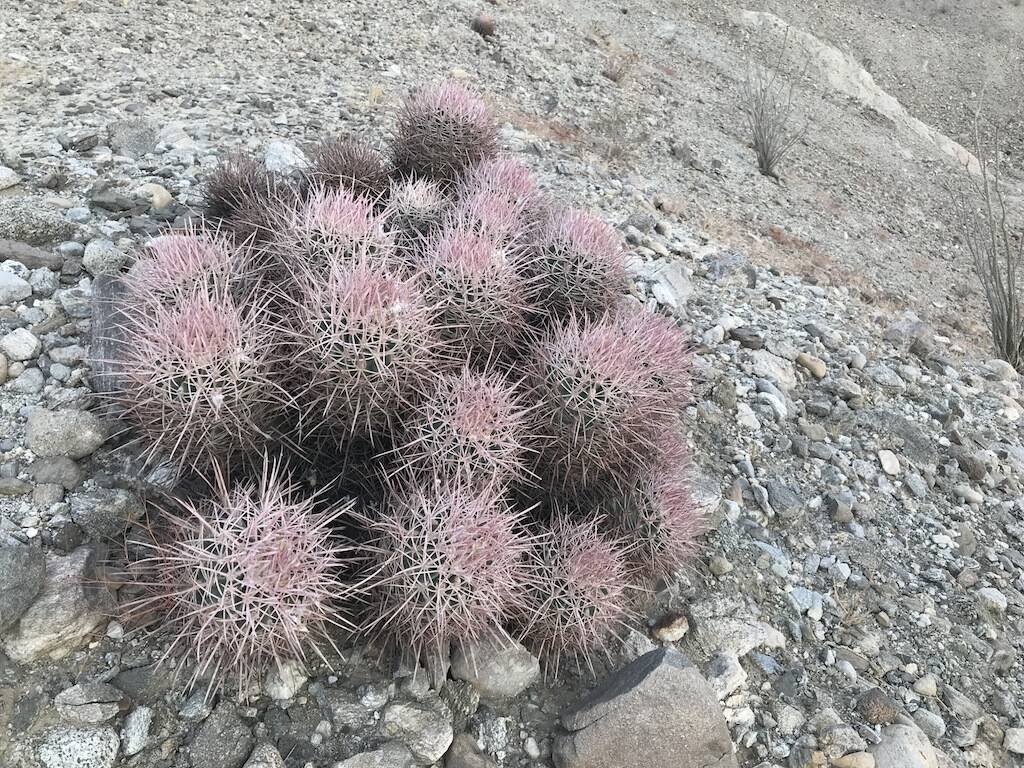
(580, 596)
(198, 377)
(471, 426)
(246, 578)
(440, 340)
(340, 163)
(451, 565)
(366, 343)
(443, 132)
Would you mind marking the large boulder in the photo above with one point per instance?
(22, 571)
(498, 668)
(75, 434)
(222, 741)
(904, 746)
(656, 711)
(71, 605)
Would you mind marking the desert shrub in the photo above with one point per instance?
(984, 226)
(447, 346)
(768, 101)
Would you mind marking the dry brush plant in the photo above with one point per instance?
(982, 220)
(768, 102)
(422, 329)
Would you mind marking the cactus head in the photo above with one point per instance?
(443, 131)
(472, 426)
(245, 579)
(580, 263)
(598, 407)
(242, 198)
(504, 176)
(663, 351)
(366, 342)
(478, 285)
(452, 562)
(198, 377)
(414, 210)
(333, 224)
(352, 165)
(580, 597)
(177, 263)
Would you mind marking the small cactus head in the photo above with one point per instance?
(198, 377)
(246, 578)
(662, 349)
(452, 562)
(414, 210)
(242, 198)
(365, 341)
(177, 263)
(597, 406)
(352, 165)
(505, 176)
(580, 594)
(478, 286)
(580, 263)
(471, 426)
(662, 521)
(443, 131)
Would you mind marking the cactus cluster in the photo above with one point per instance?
(429, 407)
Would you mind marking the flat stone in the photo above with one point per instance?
(656, 711)
(391, 755)
(814, 365)
(904, 746)
(425, 727)
(1013, 741)
(223, 740)
(265, 756)
(135, 733)
(498, 668)
(890, 462)
(775, 368)
(89, 703)
(465, 753)
(79, 748)
(285, 157)
(13, 288)
(29, 255)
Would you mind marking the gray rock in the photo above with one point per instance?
(285, 157)
(283, 680)
(466, 754)
(58, 470)
(726, 674)
(135, 733)
(932, 725)
(105, 513)
(1013, 741)
(89, 703)
(904, 746)
(20, 345)
(656, 711)
(786, 503)
(102, 257)
(78, 748)
(28, 219)
(76, 302)
(44, 282)
(70, 606)
(22, 573)
(391, 755)
(8, 178)
(31, 382)
(424, 726)
(75, 434)
(499, 668)
(132, 138)
(265, 756)
(31, 257)
(13, 288)
(223, 740)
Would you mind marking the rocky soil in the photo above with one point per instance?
(860, 597)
